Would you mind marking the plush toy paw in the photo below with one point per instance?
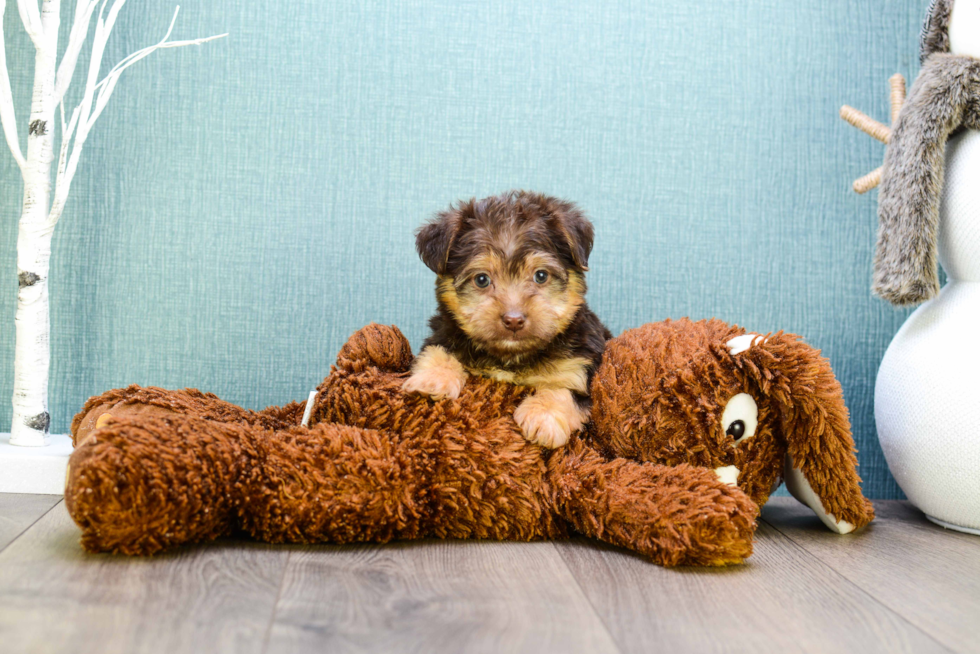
(98, 414)
(136, 403)
(549, 417)
(436, 373)
(147, 483)
(381, 346)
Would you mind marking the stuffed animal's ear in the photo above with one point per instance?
(820, 467)
(434, 239)
(570, 224)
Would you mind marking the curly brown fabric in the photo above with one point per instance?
(173, 467)
(376, 345)
(662, 390)
(811, 419)
(138, 487)
(676, 515)
(134, 401)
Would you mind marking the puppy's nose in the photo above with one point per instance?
(513, 321)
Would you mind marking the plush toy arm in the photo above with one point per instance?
(380, 346)
(676, 515)
(905, 268)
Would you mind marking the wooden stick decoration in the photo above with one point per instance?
(872, 127)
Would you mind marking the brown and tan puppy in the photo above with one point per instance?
(511, 293)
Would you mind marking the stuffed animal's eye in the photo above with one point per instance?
(541, 276)
(481, 280)
(740, 418)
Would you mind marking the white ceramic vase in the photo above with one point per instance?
(927, 397)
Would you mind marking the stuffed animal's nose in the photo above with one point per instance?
(513, 321)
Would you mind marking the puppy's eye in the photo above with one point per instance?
(481, 280)
(740, 418)
(541, 276)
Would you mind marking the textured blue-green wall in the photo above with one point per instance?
(244, 206)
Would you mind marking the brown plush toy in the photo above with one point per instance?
(154, 469)
(756, 409)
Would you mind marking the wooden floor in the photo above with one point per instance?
(902, 585)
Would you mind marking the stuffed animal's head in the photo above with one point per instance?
(755, 409)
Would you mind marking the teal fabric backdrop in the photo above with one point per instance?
(242, 207)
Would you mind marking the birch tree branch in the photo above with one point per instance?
(7, 114)
(108, 84)
(66, 134)
(76, 39)
(30, 15)
(85, 115)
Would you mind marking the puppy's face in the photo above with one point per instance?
(512, 305)
(511, 269)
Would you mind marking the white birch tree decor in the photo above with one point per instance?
(41, 212)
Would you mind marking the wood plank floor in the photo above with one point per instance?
(901, 585)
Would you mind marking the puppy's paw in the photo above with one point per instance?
(434, 383)
(549, 417)
(436, 373)
(542, 427)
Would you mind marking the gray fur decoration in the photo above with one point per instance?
(944, 98)
(935, 31)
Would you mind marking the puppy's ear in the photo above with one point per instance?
(569, 223)
(434, 239)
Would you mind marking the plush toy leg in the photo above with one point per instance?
(142, 486)
(138, 487)
(339, 484)
(136, 403)
(676, 515)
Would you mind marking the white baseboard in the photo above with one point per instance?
(39, 470)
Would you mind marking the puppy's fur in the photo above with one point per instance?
(519, 258)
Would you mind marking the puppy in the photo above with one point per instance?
(511, 294)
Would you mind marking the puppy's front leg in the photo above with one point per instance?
(550, 416)
(436, 373)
